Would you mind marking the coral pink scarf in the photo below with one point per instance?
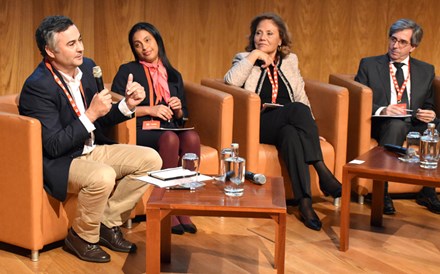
(160, 80)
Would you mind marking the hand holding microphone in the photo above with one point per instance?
(102, 100)
(97, 73)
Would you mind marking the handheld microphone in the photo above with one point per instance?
(395, 149)
(97, 73)
(255, 178)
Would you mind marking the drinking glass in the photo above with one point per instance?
(412, 147)
(191, 161)
(224, 154)
(234, 176)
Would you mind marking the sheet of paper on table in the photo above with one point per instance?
(171, 173)
(173, 182)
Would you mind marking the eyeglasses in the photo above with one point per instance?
(400, 43)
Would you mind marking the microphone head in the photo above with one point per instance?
(97, 73)
(259, 179)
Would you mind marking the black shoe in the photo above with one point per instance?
(177, 229)
(190, 228)
(114, 239)
(308, 215)
(431, 202)
(388, 206)
(331, 187)
(84, 250)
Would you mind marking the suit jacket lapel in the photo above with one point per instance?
(384, 75)
(416, 77)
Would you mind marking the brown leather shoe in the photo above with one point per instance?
(84, 250)
(113, 239)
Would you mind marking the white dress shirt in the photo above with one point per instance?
(393, 98)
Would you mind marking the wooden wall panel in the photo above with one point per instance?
(202, 36)
(303, 23)
(113, 20)
(368, 33)
(16, 52)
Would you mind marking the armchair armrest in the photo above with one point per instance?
(360, 110)
(330, 107)
(9, 103)
(246, 126)
(21, 177)
(210, 113)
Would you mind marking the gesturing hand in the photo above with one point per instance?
(100, 105)
(134, 93)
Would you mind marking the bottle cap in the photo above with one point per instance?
(431, 125)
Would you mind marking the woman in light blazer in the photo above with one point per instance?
(271, 70)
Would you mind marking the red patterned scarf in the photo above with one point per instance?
(160, 80)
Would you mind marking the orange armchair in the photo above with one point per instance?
(30, 217)
(330, 107)
(359, 128)
(210, 113)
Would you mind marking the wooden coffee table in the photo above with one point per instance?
(381, 166)
(258, 201)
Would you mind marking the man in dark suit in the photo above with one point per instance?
(77, 157)
(400, 82)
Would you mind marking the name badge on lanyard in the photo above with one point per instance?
(274, 82)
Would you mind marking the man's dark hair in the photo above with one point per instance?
(403, 24)
(45, 33)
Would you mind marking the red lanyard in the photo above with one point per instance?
(71, 101)
(273, 82)
(400, 90)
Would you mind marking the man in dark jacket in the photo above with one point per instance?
(77, 157)
(400, 82)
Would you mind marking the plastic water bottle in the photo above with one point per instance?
(429, 148)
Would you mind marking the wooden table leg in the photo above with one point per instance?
(280, 242)
(377, 203)
(165, 237)
(152, 243)
(345, 209)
